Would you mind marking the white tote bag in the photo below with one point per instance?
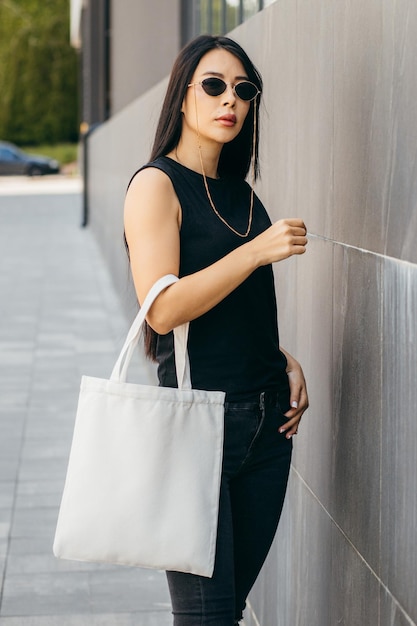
(144, 472)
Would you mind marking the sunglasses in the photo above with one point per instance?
(245, 90)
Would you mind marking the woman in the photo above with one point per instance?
(189, 212)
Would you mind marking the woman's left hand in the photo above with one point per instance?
(298, 396)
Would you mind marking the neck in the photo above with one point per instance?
(191, 158)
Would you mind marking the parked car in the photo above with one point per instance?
(14, 161)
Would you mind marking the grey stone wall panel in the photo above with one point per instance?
(355, 502)
(399, 434)
(400, 45)
(375, 126)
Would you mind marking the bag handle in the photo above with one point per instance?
(182, 363)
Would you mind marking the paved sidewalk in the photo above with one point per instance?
(60, 318)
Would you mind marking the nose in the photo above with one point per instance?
(229, 96)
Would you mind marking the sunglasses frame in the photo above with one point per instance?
(233, 86)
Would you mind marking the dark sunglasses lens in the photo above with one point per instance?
(246, 91)
(213, 86)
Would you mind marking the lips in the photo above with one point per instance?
(228, 119)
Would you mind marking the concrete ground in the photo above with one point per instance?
(60, 318)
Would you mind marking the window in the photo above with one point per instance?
(216, 17)
(8, 155)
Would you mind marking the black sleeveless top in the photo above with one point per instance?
(234, 347)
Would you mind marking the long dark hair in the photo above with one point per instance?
(235, 158)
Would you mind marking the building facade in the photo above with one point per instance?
(339, 148)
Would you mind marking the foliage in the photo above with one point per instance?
(63, 152)
(38, 73)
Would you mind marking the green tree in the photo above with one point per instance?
(38, 73)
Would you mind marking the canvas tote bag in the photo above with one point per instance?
(143, 478)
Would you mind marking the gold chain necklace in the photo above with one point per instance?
(221, 218)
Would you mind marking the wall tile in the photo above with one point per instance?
(355, 502)
(398, 74)
(375, 126)
(399, 434)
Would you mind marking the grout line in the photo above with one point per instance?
(363, 250)
(378, 578)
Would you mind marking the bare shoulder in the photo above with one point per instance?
(151, 199)
(151, 191)
(150, 179)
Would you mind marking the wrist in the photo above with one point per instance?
(252, 255)
(291, 362)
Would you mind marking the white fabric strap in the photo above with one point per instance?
(182, 364)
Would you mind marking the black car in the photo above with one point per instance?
(14, 161)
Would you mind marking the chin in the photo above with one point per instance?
(227, 135)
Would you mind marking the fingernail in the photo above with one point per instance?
(289, 436)
(282, 430)
(294, 404)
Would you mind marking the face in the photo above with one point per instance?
(219, 119)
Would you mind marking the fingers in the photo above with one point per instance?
(290, 428)
(294, 416)
(299, 230)
(295, 393)
(280, 241)
(295, 226)
(299, 245)
(299, 404)
(297, 233)
(297, 222)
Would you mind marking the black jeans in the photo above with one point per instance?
(254, 479)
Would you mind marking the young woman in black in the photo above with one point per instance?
(190, 212)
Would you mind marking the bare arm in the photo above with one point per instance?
(152, 222)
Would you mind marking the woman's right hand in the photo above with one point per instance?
(280, 241)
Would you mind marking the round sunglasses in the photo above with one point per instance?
(245, 90)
